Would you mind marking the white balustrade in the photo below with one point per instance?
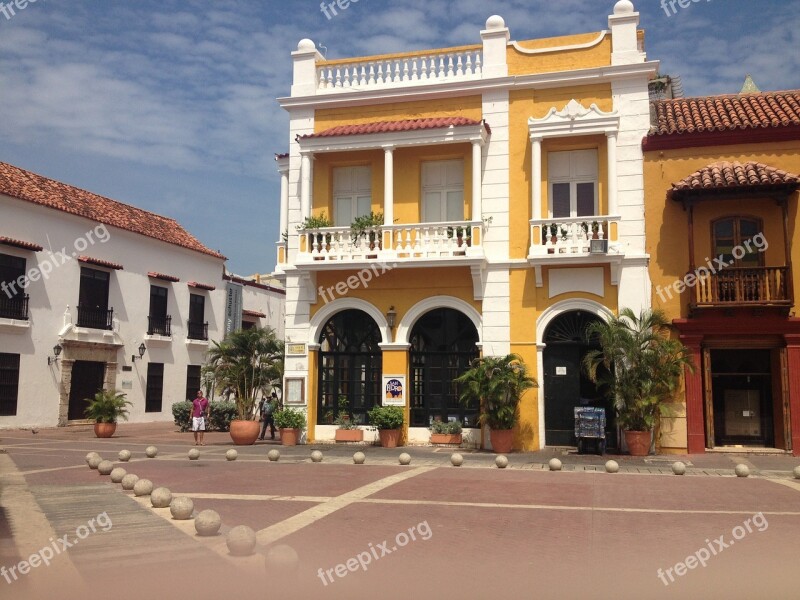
(453, 65)
(569, 236)
(402, 241)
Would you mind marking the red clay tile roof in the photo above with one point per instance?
(25, 185)
(729, 175)
(389, 126)
(156, 275)
(726, 113)
(7, 241)
(201, 286)
(100, 262)
(253, 313)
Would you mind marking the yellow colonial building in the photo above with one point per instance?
(443, 204)
(721, 205)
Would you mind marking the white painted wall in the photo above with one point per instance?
(129, 296)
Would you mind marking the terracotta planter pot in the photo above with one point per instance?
(289, 437)
(389, 437)
(104, 430)
(349, 435)
(502, 440)
(638, 442)
(445, 438)
(244, 433)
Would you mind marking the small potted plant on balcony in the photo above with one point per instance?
(445, 432)
(388, 420)
(463, 235)
(290, 422)
(320, 221)
(105, 409)
(364, 226)
(553, 233)
(595, 229)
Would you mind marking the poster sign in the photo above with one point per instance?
(233, 307)
(296, 349)
(394, 390)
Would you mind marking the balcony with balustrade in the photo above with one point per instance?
(743, 287)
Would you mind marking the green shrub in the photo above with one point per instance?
(222, 413)
(107, 406)
(181, 412)
(448, 427)
(289, 418)
(386, 417)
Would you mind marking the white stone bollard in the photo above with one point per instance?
(241, 540)
(143, 487)
(273, 455)
(124, 455)
(612, 466)
(117, 474)
(151, 452)
(501, 461)
(456, 459)
(405, 459)
(207, 523)
(359, 458)
(129, 481)
(742, 470)
(231, 454)
(194, 454)
(181, 508)
(316, 456)
(554, 464)
(679, 468)
(105, 467)
(160, 497)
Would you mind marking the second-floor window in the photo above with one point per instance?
(158, 319)
(13, 303)
(442, 191)
(572, 178)
(352, 194)
(731, 232)
(93, 299)
(197, 315)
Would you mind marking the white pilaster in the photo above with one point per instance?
(536, 178)
(477, 191)
(305, 185)
(388, 186)
(283, 169)
(624, 38)
(305, 60)
(611, 146)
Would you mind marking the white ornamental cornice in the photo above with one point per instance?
(574, 119)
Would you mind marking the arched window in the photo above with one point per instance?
(350, 365)
(731, 232)
(443, 343)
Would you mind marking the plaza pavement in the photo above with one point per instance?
(481, 532)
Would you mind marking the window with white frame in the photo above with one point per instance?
(572, 178)
(442, 191)
(352, 194)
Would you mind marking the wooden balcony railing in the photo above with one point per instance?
(744, 286)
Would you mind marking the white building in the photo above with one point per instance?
(95, 293)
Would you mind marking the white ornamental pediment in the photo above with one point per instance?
(574, 119)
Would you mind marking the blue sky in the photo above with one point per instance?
(170, 105)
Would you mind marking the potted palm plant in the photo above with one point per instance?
(105, 409)
(290, 422)
(247, 362)
(641, 370)
(388, 420)
(497, 383)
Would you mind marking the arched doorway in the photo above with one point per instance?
(565, 382)
(443, 343)
(350, 365)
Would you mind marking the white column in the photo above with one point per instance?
(477, 182)
(284, 202)
(305, 185)
(536, 178)
(611, 143)
(388, 186)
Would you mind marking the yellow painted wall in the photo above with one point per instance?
(598, 55)
(403, 288)
(465, 106)
(528, 302)
(666, 222)
(524, 104)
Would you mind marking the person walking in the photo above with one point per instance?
(200, 411)
(267, 412)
